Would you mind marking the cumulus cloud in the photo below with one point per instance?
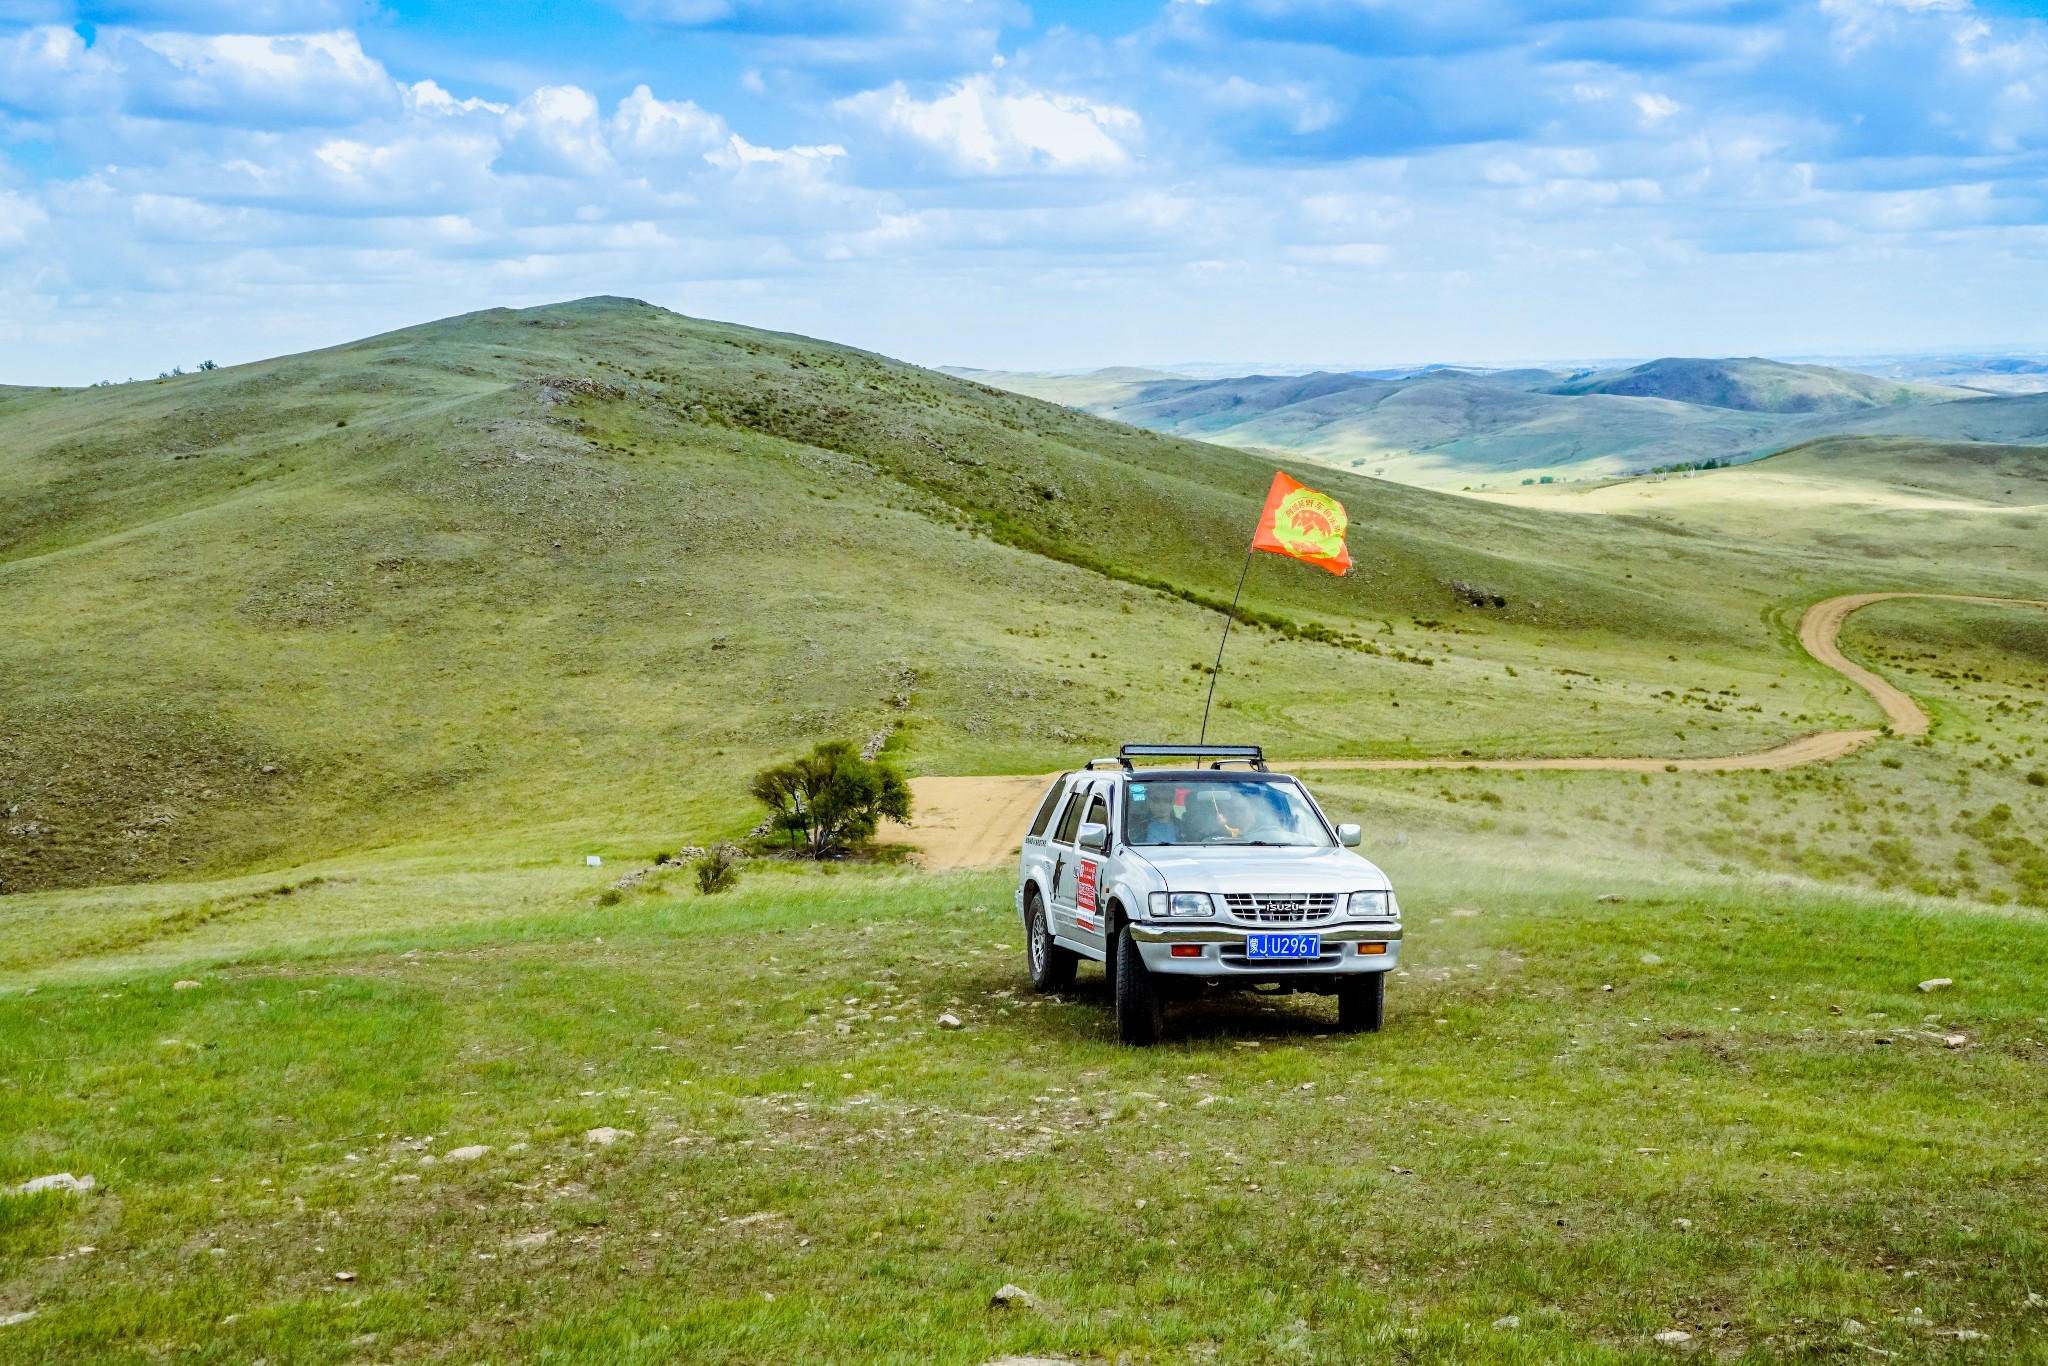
(980, 127)
(250, 79)
(1215, 150)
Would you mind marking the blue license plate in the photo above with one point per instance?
(1283, 946)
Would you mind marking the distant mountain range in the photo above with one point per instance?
(1452, 426)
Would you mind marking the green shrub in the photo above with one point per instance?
(832, 797)
(718, 870)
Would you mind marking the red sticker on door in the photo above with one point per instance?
(1084, 894)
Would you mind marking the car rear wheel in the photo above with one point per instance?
(1362, 1003)
(1052, 967)
(1140, 1007)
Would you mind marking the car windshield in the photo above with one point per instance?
(1221, 811)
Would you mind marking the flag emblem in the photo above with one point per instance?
(1302, 523)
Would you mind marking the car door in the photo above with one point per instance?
(1091, 873)
(1066, 861)
(1035, 861)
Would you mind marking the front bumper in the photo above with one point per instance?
(1349, 946)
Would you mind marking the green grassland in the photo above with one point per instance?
(323, 674)
(1708, 1106)
(545, 579)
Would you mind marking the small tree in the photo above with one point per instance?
(831, 797)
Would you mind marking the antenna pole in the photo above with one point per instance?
(1232, 616)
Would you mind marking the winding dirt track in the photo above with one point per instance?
(975, 822)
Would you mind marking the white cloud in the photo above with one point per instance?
(645, 128)
(980, 128)
(323, 78)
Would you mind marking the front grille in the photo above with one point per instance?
(1281, 908)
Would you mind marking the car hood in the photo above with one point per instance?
(1229, 868)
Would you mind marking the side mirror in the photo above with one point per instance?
(1095, 835)
(1349, 836)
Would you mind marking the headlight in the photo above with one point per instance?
(1373, 905)
(1181, 905)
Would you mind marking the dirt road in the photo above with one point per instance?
(976, 822)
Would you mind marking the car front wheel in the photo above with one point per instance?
(1052, 967)
(1362, 1003)
(1140, 1009)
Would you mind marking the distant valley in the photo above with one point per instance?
(1451, 427)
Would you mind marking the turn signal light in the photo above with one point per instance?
(1372, 948)
(1187, 950)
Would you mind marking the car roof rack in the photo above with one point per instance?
(1219, 755)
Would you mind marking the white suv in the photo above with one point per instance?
(1180, 880)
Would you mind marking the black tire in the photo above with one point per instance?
(1140, 1006)
(1362, 1003)
(1052, 967)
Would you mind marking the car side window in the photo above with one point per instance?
(1098, 810)
(1047, 807)
(1070, 819)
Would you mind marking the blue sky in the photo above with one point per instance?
(999, 183)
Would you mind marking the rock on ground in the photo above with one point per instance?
(1673, 1337)
(1015, 1296)
(470, 1153)
(1937, 983)
(19, 1316)
(604, 1135)
(59, 1181)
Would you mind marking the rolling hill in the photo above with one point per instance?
(1449, 427)
(525, 580)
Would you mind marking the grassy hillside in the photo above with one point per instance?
(325, 673)
(553, 578)
(1755, 385)
(1449, 427)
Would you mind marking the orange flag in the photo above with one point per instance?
(1305, 524)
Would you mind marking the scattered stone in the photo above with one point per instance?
(1954, 1040)
(604, 1135)
(1607, 986)
(1937, 983)
(1508, 1322)
(60, 1181)
(1682, 1225)
(1029, 1361)
(1014, 1297)
(1650, 960)
(949, 1021)
(187, 985)
(470, 1153)
(759, 1217)
(529, 1241)
(2035, 1301)
(344, 1275)
(1402, 1171)
(1853, 1328)
(1961, 1334)
(19, 1316)
(1674, 1337)
(1611, 899)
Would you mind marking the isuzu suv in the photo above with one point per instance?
(1181, 880)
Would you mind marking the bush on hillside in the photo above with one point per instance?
(831, 798)
(718, 870)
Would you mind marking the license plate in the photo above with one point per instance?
(1283, 946)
